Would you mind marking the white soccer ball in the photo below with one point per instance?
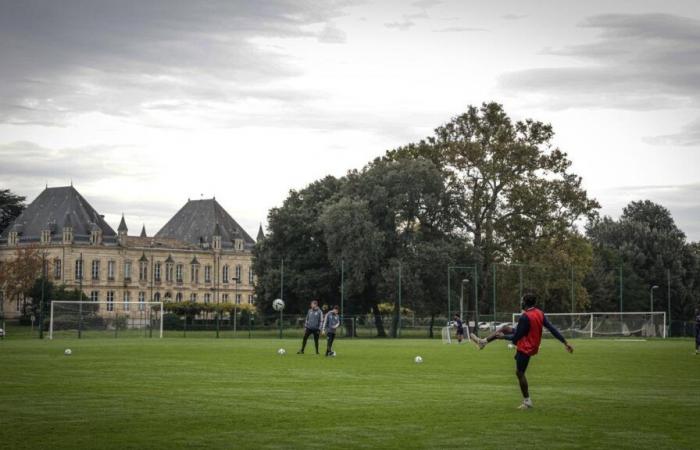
(281, 351)
(278, 305)
(418, 360)
(511, 346)
(67, 352)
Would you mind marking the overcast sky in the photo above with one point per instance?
(144, 104)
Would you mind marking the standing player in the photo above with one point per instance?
(527, 337)
(697, 331)
(330, 325)
(460, 328)
(312, 325)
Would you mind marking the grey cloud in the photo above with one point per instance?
(512, 16)
(26, 165)
(426, 3)
(458, 30)
(689, 136)
(332, 35)
(63, 58)
(638, 61)
(402, 26)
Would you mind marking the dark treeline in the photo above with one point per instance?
(482, 191)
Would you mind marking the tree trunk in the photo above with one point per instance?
(378, 320)
(395, 320)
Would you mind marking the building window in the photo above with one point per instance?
(238, 273)
(143, 270)
(250, 299)
(94, 296)
(193, 297)
(79, 269)
(224, 298)
(95, 269)
(224, 274)
(251, 275)
(178, 297)
(110, 300)
(156, 297)
(194, 273)
(46, 236)
(238, 299)
(110, 270)
(156, 271)
(126, 300)
(178, 273)
(169, 272)
(207, 298)
(127, 271)
(142, 301)
(57, 269)
(207, 274)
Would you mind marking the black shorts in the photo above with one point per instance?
(521, 361)
(460, 332)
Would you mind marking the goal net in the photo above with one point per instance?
(109, 319)
(609, 324)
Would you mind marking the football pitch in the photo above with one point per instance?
(239, 393)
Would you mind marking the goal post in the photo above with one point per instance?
(608, 324)
(105, 318)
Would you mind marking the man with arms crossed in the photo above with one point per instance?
(312, 325)
(527, 337)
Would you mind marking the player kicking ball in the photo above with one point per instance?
(527, 337)
(330, 326)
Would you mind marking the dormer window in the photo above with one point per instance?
(12, 238)
(45, 236)
(178, 273)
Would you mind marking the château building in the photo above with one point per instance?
(201, 254)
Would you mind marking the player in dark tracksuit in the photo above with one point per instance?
(527, 337)
(697, 331)
(460, 328)
(330, 326)
(312, 325)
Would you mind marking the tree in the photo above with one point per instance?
(641, 250)
(296, 237)
(512, 187)
(11, 206)
(19, 274)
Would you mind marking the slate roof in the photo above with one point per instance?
(197, 220)
(54, 209)
(122, 225)
(261, 234)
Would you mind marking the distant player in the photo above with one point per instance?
(460, 328)
(697, 331)
(312, 325)
(527, 337)
(330, 325)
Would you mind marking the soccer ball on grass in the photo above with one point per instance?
(68, 352)
(418, 360)
(281, 351)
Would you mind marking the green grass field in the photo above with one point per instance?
(207, 393)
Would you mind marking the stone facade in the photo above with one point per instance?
(139, 268)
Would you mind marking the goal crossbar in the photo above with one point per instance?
(125, 307)
(591, 317)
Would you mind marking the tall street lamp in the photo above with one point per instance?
(651, 298)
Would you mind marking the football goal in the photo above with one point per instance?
(608, 324)
(108, 319)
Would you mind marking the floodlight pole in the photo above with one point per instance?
(280, 324)
(342, 291)
(651, 302)
(668, 296)
(398, 331)
(461, 298)
(80, 305)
